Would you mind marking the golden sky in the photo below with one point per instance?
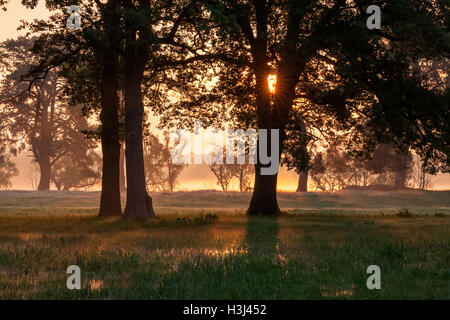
(10, 20)
(194, 177)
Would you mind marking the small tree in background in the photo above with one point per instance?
(335, 169)
(75, 174)
(37, 116)
(154, 164)
(329, 170)
(161, 173)
(224, 173)
(420, 178)
(390, 162)
(173, 170)
(8, 169)
(243, 173)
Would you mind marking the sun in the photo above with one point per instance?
(272, 80)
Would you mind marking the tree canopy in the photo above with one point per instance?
(211, 60)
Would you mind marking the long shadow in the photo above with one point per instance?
(261, 236)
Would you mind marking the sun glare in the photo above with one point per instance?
(272, 79)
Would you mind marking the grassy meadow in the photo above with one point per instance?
(202, 246)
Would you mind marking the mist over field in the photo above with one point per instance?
(344, 202)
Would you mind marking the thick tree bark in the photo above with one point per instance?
(264, 200)
(139, 203)
(109, 116)
(302, 182)
(110, 196)
(264, 197)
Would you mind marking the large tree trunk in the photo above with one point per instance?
(139, 203)
(45, 170)
(264, 197)
(273, 111)
(123, 187)
(303, 182)
(264, 200)
(43, 148)
(109, 116)
(110, 197)
(47, 100)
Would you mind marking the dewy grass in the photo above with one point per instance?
(202, 246)
(224, 256)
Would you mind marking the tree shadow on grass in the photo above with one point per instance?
(261, 236)
(328, 261)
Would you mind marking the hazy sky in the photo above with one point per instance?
(193, 177)
(10, 20)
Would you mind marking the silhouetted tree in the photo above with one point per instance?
(243, 173)
(387, 159)
(420, 178)
(154, 154)
(321, 52)
(297, 149)
(75, 174)
(160, 172)
(8, 169)
(37, 116)
(173, 169)
(334, 170)
(224, 173)
(88, 60)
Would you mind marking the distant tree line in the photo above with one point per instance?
(335, 169)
